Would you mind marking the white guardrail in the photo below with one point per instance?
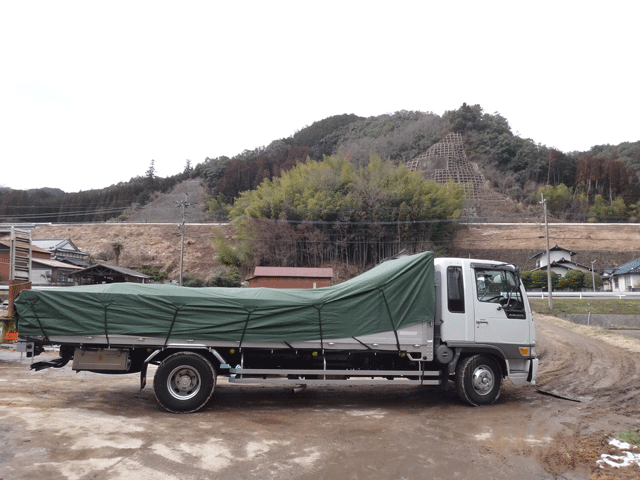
(581, 295)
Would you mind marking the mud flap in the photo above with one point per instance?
(143, 375)
(143, 369)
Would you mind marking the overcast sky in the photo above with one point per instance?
(91, 92)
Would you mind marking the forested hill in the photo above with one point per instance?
(600, 183)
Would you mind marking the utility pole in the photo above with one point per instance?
(593, 275)
(546, 227)
(184, 204)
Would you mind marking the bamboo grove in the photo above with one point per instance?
(333, 211)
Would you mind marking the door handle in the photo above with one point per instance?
(479, 322)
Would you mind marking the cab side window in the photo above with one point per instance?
(502, 287)
(455, 290)
(490, 285)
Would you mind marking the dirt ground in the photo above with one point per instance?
(56, 424)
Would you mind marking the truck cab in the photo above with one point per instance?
(483, 309)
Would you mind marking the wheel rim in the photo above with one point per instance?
(184, 383)
(482, 380)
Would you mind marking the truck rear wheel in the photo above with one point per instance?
(478, 380)
(184, 382)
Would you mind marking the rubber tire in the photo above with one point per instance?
(205, 385)
(486, 366)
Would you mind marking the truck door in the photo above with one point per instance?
(499, 305)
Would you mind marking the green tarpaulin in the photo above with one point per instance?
(393, 295)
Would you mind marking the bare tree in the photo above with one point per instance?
(117, 250)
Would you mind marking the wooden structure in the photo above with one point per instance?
(42, 269)
(100, 273)
(291, 277)
(45, 271)
(15, 269)
(15, 255)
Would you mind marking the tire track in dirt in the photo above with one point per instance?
(603, 376)
(106, 427)
(602, 371)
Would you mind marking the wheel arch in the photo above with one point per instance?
(206, 352)
(463, 352)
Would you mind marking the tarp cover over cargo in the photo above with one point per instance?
(393, 295)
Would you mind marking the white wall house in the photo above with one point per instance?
(626, 278)
(561, 261)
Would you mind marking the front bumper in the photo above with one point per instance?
(533, 371)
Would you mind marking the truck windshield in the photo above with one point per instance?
(499, 286)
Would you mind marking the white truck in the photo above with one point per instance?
(413, 320)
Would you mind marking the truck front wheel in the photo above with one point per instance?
(478, 380)
(184, 382)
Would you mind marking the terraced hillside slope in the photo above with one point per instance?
(158, 245)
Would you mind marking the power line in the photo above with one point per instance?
(470, 220)
(77, 213)
(59, 213)
(68, 204)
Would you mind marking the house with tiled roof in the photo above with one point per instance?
(561, 261)
(44, 270)
(63, 250)
(626, 278)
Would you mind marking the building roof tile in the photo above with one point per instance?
(630, 267)
(293, 272)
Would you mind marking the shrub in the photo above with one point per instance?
(156, 275)
(225, 277)
(588, 280)
(575, 279)
(558, 282)
(539, 279)
(526, 278)
(189, 280)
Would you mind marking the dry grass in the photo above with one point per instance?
(607, 336)
(153, 246)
